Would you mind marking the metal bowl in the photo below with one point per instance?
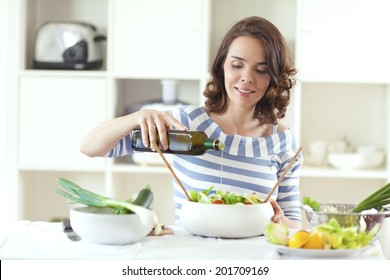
(366, 219)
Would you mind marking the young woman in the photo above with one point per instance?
(248, 94)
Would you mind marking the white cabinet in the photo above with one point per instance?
(344, 41)
(341, 55)
(54, 114)
(147, 41)
(158, 39)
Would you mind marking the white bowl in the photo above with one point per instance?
(356, 160)
(99, 225)
(225, 221)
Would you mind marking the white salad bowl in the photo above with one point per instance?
(101, 226)
(224, 220)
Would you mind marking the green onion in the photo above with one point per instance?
(77, 194)
(377, 199)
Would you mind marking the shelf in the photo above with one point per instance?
(342, 81)
(61, 168)
(155, 76)
(328, 172)
(140, 169)
(64, 73)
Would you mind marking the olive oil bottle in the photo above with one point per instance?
(180, 142)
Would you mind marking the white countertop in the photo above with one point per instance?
(43, 240)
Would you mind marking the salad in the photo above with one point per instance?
(330, 236)
(223, 197)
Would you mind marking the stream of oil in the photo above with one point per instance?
(221, 173)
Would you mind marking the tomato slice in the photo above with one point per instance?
(218, 201)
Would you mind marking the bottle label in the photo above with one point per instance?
(181, 143)
(180, 146)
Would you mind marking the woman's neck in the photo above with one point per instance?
(241, 122)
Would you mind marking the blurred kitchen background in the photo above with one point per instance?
(155, 53)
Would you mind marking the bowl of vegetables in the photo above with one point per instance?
(105, 220)
(367, 215)
(225, 214)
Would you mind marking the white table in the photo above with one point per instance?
(43, 240)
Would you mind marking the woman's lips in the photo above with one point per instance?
(244, 92)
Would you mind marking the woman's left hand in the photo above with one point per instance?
(279, 214)
(280, 218)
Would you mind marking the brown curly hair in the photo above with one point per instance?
(272, 106)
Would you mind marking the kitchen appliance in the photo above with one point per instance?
(68, 45)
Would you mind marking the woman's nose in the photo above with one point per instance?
(247, 77)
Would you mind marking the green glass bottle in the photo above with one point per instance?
(180, 142)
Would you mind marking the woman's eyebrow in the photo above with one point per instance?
(242, 59)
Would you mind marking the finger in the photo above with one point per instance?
(163, 135)
(277, 218)
(145, 134)
(178, 125)
(164, 122)
(152, 131)
(171, 122)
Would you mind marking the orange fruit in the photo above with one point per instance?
(298, 239)
(316, 241)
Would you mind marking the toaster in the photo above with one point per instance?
(68, 45)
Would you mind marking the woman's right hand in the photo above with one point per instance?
(153, 122)
(106, 135)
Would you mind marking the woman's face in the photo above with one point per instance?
(246, 72)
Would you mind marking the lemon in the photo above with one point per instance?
(316, 241)
(299, 239)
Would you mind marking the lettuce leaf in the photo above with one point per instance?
(315, 205)
(338, 237)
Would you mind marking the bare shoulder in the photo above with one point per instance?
(282, 127)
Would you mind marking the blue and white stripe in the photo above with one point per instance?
(246, 165)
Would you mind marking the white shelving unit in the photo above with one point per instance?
(53, 110)
(340, 92)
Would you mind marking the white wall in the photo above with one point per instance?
(3, 29)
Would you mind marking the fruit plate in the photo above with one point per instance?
(312, 253)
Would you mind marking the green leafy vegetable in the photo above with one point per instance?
(200, 196)
(276, 233)
(223, 197)
(338, 237)
(77, 194)
(315, 205)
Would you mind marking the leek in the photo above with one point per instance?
(77, 194)
(377, 199)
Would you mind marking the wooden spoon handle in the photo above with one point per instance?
(155, 146)
(283, 174)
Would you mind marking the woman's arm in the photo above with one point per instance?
(287, 207)
(105, 136)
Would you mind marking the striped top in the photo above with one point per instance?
(246, 165)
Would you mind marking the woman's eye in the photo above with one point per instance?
(262, 71)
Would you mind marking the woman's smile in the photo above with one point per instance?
(244, 92)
